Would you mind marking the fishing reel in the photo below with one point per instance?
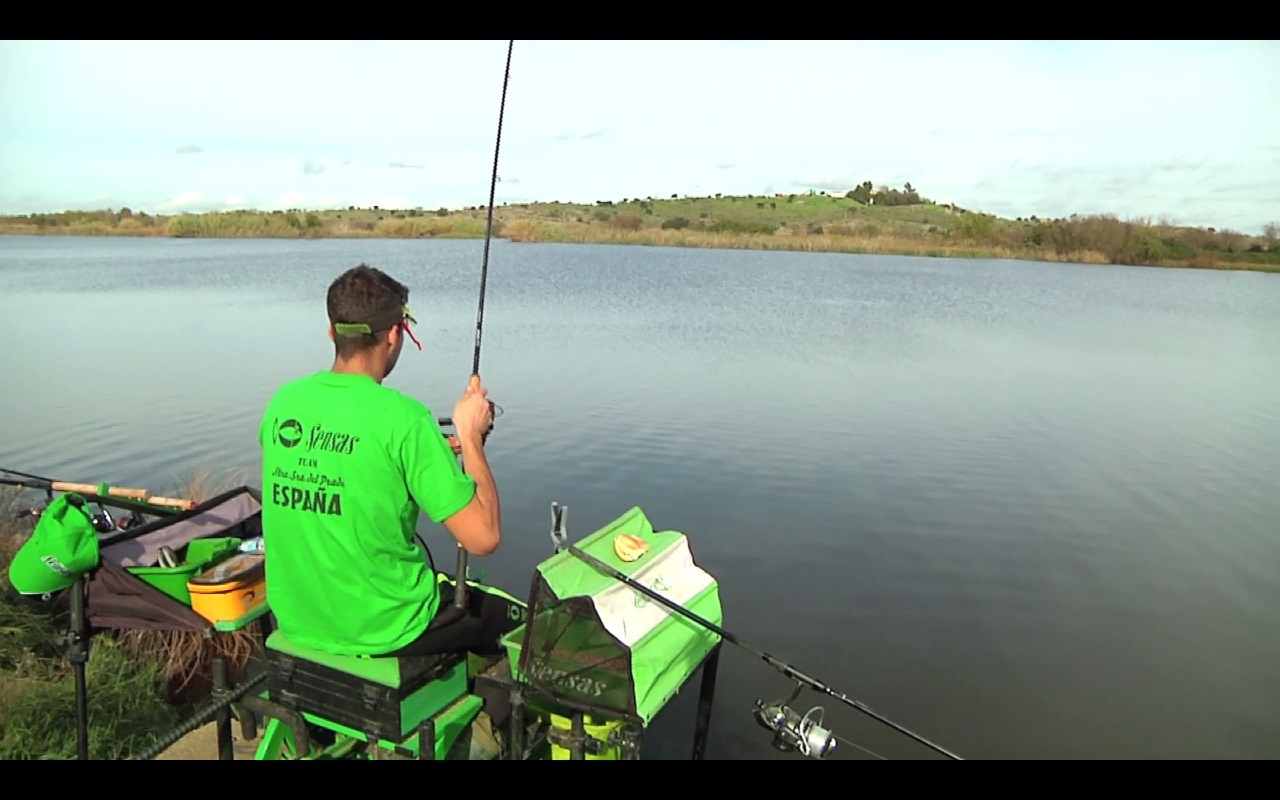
(34, 512)
(559, 531)
(132, 521)
(102, 521)
(795, 733)
(495, 411)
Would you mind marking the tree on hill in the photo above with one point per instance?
(907, 196)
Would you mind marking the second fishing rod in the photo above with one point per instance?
(786, 669)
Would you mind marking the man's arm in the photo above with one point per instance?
(465, 504)
(478, 525)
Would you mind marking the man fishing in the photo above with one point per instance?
(348, 464)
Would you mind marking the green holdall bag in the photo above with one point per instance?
(63, 546)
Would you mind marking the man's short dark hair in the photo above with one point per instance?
(368, 296)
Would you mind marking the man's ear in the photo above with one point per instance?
(393, 336)
(332, 335)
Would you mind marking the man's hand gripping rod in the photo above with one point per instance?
(460, 596)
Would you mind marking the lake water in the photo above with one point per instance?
(1024, 510)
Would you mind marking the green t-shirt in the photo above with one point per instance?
(347, 464)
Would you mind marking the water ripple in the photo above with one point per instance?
(977, 494)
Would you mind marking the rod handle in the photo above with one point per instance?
(123, 492)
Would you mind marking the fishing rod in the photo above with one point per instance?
(488, 233)
(136, 502)
(26, 475)
(99, 489)
(793, 731)
(460, 599)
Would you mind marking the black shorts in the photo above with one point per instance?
(476, 629)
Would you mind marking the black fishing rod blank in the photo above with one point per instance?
(460, 598)
(799, 730)
(26, 475)
(488, 233)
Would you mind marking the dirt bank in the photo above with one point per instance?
(202, 745)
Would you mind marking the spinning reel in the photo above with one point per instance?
(103, 522)
(34, 512)
(559, 534)
(795, 733)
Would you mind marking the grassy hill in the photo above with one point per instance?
(887, 222)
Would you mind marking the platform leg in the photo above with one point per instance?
(427, 740)
(515, 738)
(706, 696)
(578, 749)
(225, 751)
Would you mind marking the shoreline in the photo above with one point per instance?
(796, 223)
(813, 244)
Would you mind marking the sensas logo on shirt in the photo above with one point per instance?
(290, 434)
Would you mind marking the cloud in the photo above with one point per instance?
(1134, 180)
(726, 166)
(1117, 186)
(182, 201)
(189, 148)
(985, 133)
(1198, 191)
(287, 200)
(1243, 188)
(312, 168)
(1181, 164)
(831, 184)
(402, 165)
(196, 203)
(564, 137)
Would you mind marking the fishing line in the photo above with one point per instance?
(858, 746)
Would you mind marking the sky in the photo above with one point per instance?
(1187, 132)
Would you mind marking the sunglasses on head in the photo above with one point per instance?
(402, 320)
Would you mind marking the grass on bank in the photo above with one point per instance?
(894, 222)
(140, 683)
